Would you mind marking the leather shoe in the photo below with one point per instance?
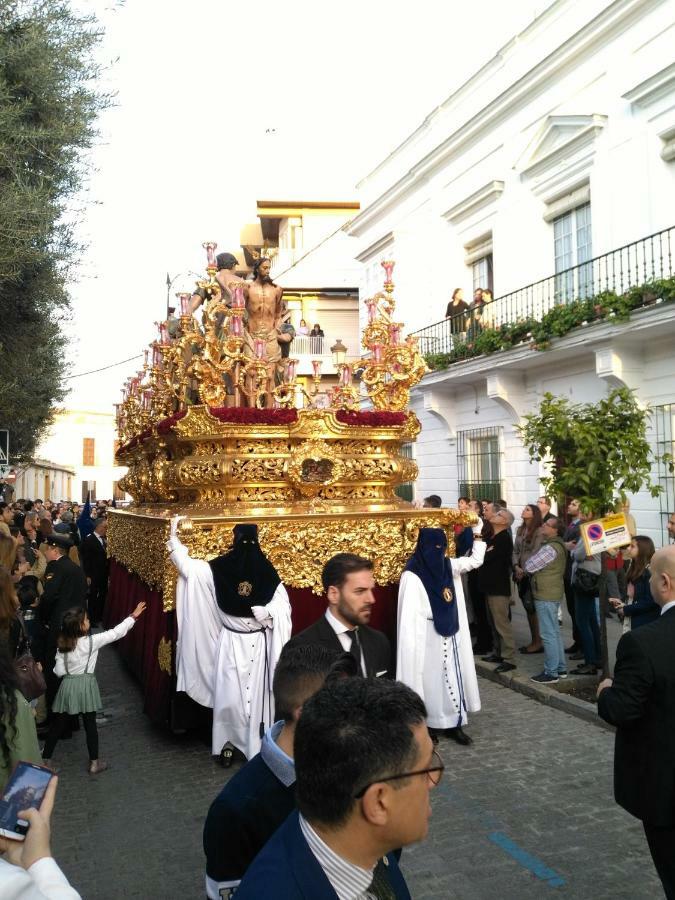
(505, 667)
(492, 658)
(459, 736)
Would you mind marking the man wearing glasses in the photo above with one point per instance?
(494, 579)
(364, 765)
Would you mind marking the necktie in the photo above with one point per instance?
(355, 649)
(379, 887)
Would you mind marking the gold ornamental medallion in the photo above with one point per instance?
(244, 588)
(447, 595)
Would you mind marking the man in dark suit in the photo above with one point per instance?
(640, 701)
(261, 796)
(65, 588)
(364, 766)
(348, 582)
(97, 568)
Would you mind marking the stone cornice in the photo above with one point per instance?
(376, 247)
(588, 129)
(480, 198)
(652, 89)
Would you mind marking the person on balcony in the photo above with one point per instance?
(317, 331)
(456, 311)
(303, 328)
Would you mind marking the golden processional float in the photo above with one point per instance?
(212, 430)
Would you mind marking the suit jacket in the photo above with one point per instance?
(375, 645)
(286, 869)
(95, 561)
(65, 588)
(641, 703)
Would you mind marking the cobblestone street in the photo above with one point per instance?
(527, 812)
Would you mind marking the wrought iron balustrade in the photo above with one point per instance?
(634, 264)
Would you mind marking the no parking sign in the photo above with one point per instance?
(608, 533)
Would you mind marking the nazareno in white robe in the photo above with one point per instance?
(225, 669)
(440, 669)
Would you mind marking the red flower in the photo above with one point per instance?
(248, 415)
(371, 418)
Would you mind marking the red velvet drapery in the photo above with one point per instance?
(140, 647)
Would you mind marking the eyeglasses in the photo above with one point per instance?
(435, 773)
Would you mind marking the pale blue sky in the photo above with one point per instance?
(185, 153)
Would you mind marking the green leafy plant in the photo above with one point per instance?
(557, 322)
(596, 452)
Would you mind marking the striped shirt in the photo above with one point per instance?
(349, 882)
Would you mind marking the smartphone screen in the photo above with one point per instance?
(25, 790)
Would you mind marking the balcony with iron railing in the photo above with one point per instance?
(610, 285)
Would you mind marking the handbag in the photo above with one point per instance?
(586, 581)
(32, 682)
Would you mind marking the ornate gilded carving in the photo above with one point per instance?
(164, 655)
(139, 544)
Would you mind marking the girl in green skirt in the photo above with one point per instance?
(78, 692)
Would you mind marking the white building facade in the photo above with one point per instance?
(546, 177)
(83, 442)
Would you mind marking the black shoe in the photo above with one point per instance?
(229, 755)
(433, 734)
(527, 652)
(458, 735)
(493, 658)
(505, 667)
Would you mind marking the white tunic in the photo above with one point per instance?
(224, 669)
(440, 669)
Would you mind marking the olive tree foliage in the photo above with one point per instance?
(49, 102)
(595, 452)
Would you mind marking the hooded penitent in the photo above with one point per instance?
(432, 567)
(244, 577)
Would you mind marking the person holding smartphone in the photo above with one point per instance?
(27, 869)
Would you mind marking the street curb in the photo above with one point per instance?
(548, 696)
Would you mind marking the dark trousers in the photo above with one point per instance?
(569, 602)
(662, 847)
(96, 602)
(483, 630)
(60, 723)
(587, 620)
(52, 680)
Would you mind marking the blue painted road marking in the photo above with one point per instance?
(525, 859)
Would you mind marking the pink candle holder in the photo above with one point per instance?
(316, 367)
(147, 399)
(388, 266)
(259, 348)
(146, 354)
(291, 367)
(156, 356)
(238, 301)
(210, 247)
(377, 353)
(236, 329)
(164, 338)
(372, 309)
(184, 299)
(395, 334)
(346, 376)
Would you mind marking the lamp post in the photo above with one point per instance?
(339, 352)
